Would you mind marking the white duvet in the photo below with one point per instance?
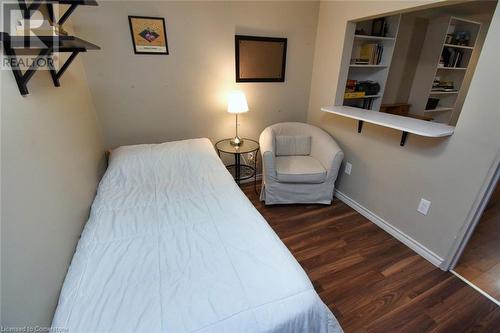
(173, 245)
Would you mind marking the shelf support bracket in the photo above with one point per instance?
(28, 10)
(360, 125)
(66, 14)
(50, 10)
(56, 75)
(403, 139)
(22, 79)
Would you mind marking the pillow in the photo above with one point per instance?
(287, 145)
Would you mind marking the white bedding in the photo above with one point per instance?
(173, 245)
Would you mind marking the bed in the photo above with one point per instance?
(173, 245)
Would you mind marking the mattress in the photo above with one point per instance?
(173, 245)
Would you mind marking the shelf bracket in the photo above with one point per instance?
(50, 10)
(360, 125)
(403, 139)
(28, 10)
(22, 79)
(67, 13)
(56, 75)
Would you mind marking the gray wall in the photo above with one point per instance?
(155, 98)
(389, 180)
(51, 160)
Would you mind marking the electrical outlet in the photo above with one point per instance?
(423, 206)
(348, 168)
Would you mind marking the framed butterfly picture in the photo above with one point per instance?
(149, 34)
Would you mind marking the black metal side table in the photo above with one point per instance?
(238, 170)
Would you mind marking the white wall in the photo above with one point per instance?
(51, 160)
(389, 180)
(51, 147)
(411, 35)
(155, 98)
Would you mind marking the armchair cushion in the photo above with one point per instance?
(299, 169)
(287, 145)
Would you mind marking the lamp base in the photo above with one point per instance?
(236, 141)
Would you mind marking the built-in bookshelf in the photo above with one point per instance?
(442, 67)
(422, 62)
(368, 49)
(368, 57)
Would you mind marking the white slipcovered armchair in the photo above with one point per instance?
(300, 164)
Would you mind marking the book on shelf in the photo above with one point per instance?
(368, 54)
(350, 86)
(373, 51)
(452, 57)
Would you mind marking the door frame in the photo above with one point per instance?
(474, 216)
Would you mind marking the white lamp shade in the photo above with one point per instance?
(237, 102)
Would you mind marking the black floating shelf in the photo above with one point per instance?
(46, 46)
(59, 43)
(74, 2)
(29, 9)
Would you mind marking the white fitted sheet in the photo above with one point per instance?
(173, 245)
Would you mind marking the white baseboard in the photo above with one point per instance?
(393, 231)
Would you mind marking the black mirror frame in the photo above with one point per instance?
(238, 38)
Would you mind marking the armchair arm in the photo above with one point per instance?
(327, 151)
(266, 142)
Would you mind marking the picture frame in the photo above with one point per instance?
(260, 59)
(149, 35)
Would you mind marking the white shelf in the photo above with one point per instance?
(443, 92)
(356, 35)
(452, 68)
(368, 66)
(364, 97)
(459, 19)
(375, 38)
(459, 46)
(405, 124)
(438, 109)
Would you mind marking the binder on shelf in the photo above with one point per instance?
(353, 95)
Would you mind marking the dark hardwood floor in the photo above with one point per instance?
(371, 281)
(480, 262)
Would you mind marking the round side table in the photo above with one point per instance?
(238, 170)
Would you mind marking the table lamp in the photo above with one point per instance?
(237, 103)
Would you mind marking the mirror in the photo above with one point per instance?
(260, 59)
(418, 64)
